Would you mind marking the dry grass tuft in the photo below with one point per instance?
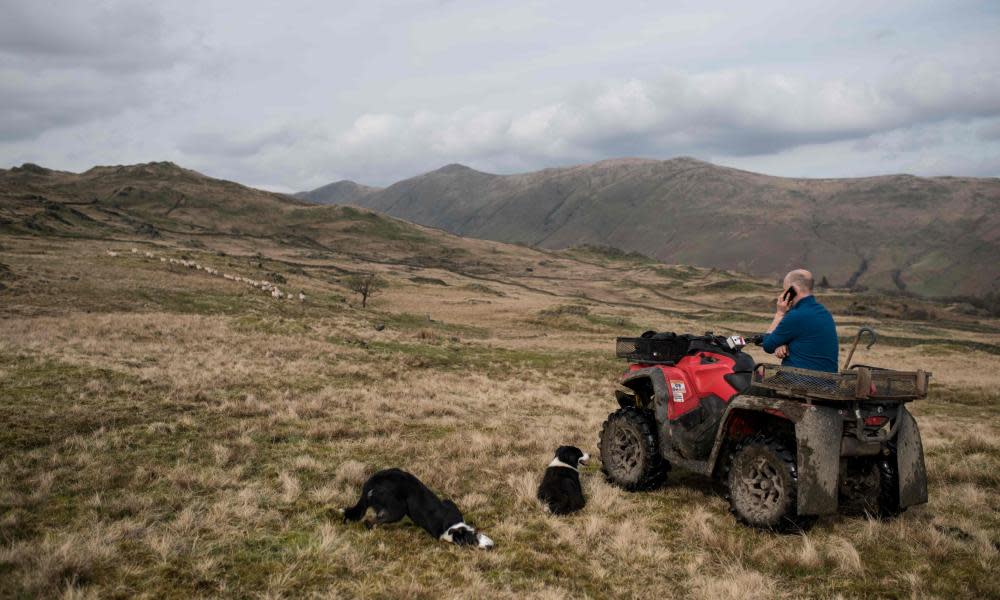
(290, 487)
(733, 581)
(707, 529)
(524, 486)
(61, 561)
(842, 553)
(351, 472)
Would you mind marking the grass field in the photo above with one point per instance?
(168, 433)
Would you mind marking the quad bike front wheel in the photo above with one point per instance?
(630, 453)
(763, 484)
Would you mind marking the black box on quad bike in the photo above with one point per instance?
(788, 444)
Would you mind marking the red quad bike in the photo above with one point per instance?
(787, 444)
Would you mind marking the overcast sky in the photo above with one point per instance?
(291, 95)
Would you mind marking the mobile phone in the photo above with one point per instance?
(790, 294)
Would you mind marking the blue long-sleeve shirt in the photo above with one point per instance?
(810, 334)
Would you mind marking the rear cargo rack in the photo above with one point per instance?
(860, 383)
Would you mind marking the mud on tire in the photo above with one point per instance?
(763, 484)
(630, 452)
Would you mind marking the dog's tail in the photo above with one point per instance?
(354, 513)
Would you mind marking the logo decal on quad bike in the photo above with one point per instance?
(678, 388)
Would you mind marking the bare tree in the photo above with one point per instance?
(365, 284)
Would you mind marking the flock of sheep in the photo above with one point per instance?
(265, 286)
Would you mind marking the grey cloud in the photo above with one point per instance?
(989, 132)
(379, 91)
(67, 63)
(238, 145)
(736, 113)
(35, 103)
(117, 36)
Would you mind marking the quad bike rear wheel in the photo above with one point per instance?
(763, 484)
(888, 495)
(859, 487)
(870, 486)
(630, 453)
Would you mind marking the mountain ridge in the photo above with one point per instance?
(931, 235)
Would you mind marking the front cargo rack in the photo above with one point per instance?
(858, 383)
(662, 349)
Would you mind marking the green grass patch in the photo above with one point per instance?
(609, 253)
(33, 387)
(273, 325)
(680, 273)
(412, 322)
(428, 281)
(379, 227)
(483, 289)
(945, 344)
(735, 285)
(453, 356)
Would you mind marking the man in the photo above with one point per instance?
(802, 333)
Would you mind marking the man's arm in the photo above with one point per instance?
(782, 333)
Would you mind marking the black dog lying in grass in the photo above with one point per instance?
(560, 490)
(394, 494)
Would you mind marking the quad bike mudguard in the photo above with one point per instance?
(818, 434)
(650, 385)
(910, 461)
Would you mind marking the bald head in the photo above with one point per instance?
(801, 279)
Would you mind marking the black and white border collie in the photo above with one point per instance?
(394, 494)
(560, 490)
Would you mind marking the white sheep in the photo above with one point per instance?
(276, 293)
(302, 297)
(134, 250)
(112, 253)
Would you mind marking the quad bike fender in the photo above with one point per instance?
(910, 461)
(650, 388)
(651, 391)
(818, 436)
(818, 433)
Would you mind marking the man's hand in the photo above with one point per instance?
(781, 304)
(781, 351)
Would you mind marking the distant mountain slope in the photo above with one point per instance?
(164, 201)
(339, 192)
(935, 236)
